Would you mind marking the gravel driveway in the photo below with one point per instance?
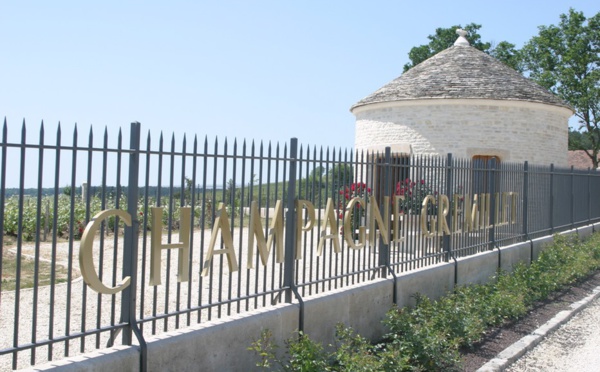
(573, 347)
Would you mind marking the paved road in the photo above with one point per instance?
(575, 346)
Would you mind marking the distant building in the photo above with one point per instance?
(465, 102)
(578, 159)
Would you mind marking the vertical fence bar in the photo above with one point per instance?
(525, 199)
(38, 214)
(54, 241)
(86, 195)
(447, 238)
(2, 196)
(589, 196)
(491, 223)
(182, 197)
(103, 231)
(572, 175)
(190, 183)
(73, 191)
(130, 241)
(290, 223)
(551, 201)
(19, 245)
(117, 201)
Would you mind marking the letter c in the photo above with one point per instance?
(86, 261)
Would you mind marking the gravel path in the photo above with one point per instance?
(573, 347)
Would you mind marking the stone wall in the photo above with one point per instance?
(513, 130)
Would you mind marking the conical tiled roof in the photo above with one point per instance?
(462, 72)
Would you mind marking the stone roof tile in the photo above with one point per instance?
(462, 72)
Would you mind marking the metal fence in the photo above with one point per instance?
(268, 223)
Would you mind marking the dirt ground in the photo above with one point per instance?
(500, 338)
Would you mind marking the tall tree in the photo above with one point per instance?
(578, 141)
(445, 37)
(566, 60)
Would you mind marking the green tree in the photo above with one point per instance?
(313, 186)
(444, 38)
(67, 190)
(566, 60)
(340, 175)
(507, 53)
(578, 141)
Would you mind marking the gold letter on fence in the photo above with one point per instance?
(376, 217)
(310, 214)
(353, 206)
(256, 230)
(86, 252)
(443, 210)
(221, 223)
(424, 230)
(333, 229)
(397, 235)
(156, 245)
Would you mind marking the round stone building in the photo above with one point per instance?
(465, 102)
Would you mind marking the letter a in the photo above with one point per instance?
(221, 223)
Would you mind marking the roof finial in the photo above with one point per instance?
(462, 40)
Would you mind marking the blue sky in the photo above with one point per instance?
(263, 70)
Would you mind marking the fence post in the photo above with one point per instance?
(551, 214)
(130, 238)
(290, 224)
(446, 241)
(384, 249)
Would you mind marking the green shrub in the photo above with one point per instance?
(429, 336)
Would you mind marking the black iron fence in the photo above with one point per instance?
(216, 229)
